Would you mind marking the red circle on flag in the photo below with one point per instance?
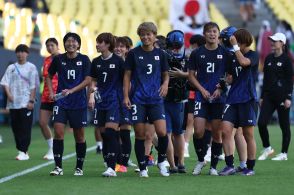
(192, 7)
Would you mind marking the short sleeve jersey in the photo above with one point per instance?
(71, 72)
(109, 80)
(210, 66)
(146, 67)
(243, 86)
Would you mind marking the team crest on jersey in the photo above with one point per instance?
(269, 64)
(63, 63)
(279, 64)
(79, 63)
(219, 56)
(141, 57)
(202, 56)
(156, 57)
(111, 65)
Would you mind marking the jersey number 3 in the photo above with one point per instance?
(149, 68)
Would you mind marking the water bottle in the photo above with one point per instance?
(97, 96)
(58, 96)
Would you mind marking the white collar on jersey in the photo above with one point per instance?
(107, 57)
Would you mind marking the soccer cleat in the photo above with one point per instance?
(198, 168)
(22, 156)
(173, 170)
(207, 157)
(221, 157)
(181, 169)
(163, 169)
(138, 170)
(144, 174)
(98, 150)
(266, 152)
(131, 164)
(109, 173)
(186, 151)
(213, 172)
(49, 155)
(56, 171)
(120, 168)
(248, 172)
(150, 161)
(78, 172)
(239, 169)
(280, 157)
(227, 171)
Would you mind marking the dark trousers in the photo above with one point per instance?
(268, 107)
(21, 123)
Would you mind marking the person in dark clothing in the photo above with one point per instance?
(276, 95)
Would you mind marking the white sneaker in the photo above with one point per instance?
(186, 151)
(56, 171)
(266, 153)
(163, 169)
(198, 168)
(22, 156)
(213, 172)
(79, 172)
(281, 156)
(165, 163)
(207, 157)
(49, 155)
(221, 157)
(131, 164)
(109, 173)
(144, 173)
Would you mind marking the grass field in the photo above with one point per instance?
(271, 177)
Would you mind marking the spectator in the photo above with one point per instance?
(263, 44)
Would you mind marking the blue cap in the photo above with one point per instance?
(225, 35)
(175, 39)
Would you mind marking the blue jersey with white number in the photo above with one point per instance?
(210, 66)
(109, 80)
(147, 68)
(71, 72)
(243, 86)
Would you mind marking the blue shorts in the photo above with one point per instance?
(101, 117)
(174, 113)
(76, 118)
(142, 113)
(209, 111)
(125, 116)
(242, 114)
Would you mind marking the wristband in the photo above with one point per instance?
(236, 48)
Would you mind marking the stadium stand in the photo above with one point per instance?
(87, 18)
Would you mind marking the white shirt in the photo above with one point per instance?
(20, 81)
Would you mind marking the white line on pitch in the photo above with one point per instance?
(27, 171)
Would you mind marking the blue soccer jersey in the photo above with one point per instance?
(243, 86)
(109, 80)
(71, 72)
(146, 67)
(210, 66)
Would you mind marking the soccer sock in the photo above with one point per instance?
(162, 147)
(207, 136)
(58, 152)
(199, 148)
(140, 153)
(50, 143)
(229, 160)
(216, 149)
(250, 164)
(243, 164)
(112, 147)
(126, 146)
(176, 159)
(81, 153)
(104, 146)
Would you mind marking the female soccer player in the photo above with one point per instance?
(147, 67)
(107, 72)
(209, 62)
(241, 103)
(73, 69)
(276, 95)
(46, 100)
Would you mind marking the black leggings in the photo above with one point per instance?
(267, 109)
(21, 123)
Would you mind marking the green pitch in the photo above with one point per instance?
(271, 177)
